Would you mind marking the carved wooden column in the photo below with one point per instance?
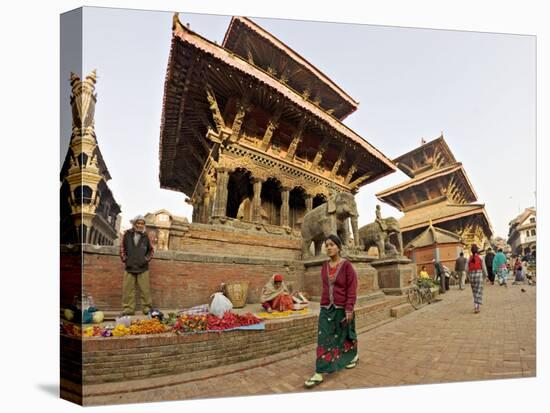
(220, 201)
(285, 209)
(309, 203)
(257, 200)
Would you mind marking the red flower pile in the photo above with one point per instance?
(231, 320)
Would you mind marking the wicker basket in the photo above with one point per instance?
(236, 292)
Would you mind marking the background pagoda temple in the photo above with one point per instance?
(253, 132)
(89, 212)
(439, 191)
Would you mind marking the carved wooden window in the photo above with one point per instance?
(84, 194)
(83, 159)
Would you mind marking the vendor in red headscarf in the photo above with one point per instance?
(275, 295)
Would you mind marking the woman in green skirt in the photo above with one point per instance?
(337, 340)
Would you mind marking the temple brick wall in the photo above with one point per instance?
(448, 253)
(178, 279)
(70, 266)
(246, 242)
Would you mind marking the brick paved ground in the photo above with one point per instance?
(442, 342)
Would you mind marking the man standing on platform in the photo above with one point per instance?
(460, 268)
(136, 250)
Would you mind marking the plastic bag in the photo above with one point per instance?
(220, 304)
(125, 320)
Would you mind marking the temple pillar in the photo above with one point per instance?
(285, 209)
(309, 203)
(220, 200)
(257, 200)
(206, 211)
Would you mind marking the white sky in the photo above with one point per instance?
(476, 88)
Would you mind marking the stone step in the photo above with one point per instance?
(401, 310)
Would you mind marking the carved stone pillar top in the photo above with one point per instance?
(223, 169)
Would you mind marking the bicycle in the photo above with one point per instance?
(419, 292)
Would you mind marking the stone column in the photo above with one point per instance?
(309, 203)
(257, 200)
(285, 209)
(220, 201)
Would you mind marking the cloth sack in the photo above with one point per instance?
(220, 305)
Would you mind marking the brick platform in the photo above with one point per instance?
(439, 343)
(120, 359)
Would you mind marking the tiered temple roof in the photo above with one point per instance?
(439, 190)
(256, 105)
(433, 235)
(248, 40)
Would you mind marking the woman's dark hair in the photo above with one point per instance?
(336, 239)
(475, 251)
(499, 250)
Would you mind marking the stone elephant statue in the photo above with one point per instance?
(330, 218)
(372, 235)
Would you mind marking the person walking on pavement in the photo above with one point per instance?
(136, 250)
(518, 271)
(337, 338)
(439, 273)
(489, 257)
(476, 274)
(460, 268)
(499, 267)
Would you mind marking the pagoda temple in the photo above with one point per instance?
(252, 132)
(439, 191)
(89, 212)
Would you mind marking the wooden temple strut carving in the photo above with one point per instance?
(320, 152)
(359, 180)
(271, 127)
(338, 162)
(350, 173)
(214, 108)
(296, 139)
(243, 107)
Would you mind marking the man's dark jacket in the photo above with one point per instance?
(136, 257)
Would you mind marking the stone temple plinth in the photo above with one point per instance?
(394, 274)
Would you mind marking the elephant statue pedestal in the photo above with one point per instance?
(367, 277)
(394, 274)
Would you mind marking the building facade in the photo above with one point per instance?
(522, 233)
(160, 225)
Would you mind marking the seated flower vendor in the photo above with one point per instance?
(275, 295)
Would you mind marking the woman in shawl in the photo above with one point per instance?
(477, 272)
(275, 295)
(518, 270)
(337, 339)
(499, 267)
